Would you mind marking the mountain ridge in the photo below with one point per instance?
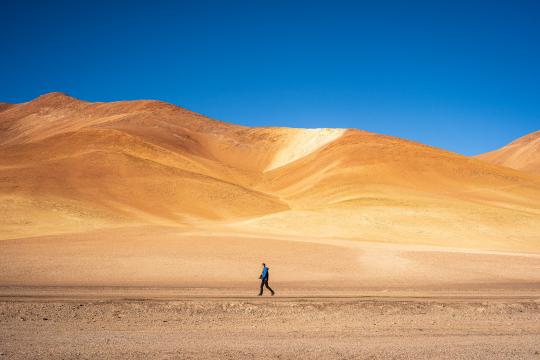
(68, 165)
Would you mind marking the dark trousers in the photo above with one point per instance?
(264, 282)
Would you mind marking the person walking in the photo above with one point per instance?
(264, 280)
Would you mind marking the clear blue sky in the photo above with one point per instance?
(461, 75)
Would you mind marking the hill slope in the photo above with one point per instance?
(70, 166)
(521, 154)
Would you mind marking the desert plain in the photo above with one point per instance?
(136, 229)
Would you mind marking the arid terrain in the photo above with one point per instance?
(521, 154)
(70, 166)
(136, 229)
(308, 328)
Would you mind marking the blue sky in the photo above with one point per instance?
(461, 75)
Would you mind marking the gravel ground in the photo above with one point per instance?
(406, 328)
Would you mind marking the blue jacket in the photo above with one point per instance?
(264, 274)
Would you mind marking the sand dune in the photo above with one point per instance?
(522, 154)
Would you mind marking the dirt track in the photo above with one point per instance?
(232, 328)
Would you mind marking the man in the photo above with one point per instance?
(264, 280)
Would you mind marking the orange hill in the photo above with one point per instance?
(522, 154)
(68, 165)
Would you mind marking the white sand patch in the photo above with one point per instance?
(302, 143)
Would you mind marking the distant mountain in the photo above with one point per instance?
(522, 154)
(68, 165)
(5, 106)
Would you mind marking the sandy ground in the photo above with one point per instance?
(171, 257)
(237, 327)
(165, 292)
